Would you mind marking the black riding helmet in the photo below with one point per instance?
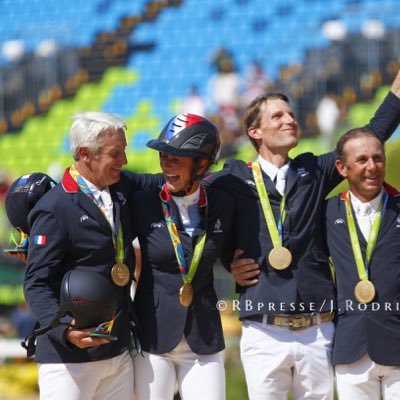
(22, 196)
(188, 135)
(88, 297)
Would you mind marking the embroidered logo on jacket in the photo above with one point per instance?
(339, 221)
(121, 198)
(250, 182)
(156, 225)
(217, 227)
(83, 218)
(302, 172)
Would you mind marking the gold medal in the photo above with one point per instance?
(280, 258)
(120, 274)
(186, 294)
(364, 291)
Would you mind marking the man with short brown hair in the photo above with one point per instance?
(363, 232)
(287, 297)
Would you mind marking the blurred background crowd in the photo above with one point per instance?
(146, 60)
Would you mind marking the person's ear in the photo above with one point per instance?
(84, 153)
(254, 133)
(341, 167)
(203, 166)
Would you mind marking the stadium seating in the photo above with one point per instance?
(150, 88)
(68, 22)
(170, 52)
(250, 30)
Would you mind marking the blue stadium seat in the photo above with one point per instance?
(185, 37)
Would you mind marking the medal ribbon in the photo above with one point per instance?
(118, 239)
(275, 231)
(363, 265)
(187, 273)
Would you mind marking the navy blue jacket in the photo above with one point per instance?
(77, 235)
(306, 286)
(163, 321)
(374, 328)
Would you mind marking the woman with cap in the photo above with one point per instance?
(182, 231)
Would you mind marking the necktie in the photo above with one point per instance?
(107, 205)
(280, 181)
(364, 219)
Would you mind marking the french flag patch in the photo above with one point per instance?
(39, 239)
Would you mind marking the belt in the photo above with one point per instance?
(295, 322)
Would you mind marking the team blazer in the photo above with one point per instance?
(374, 328)
(306, 286)
(74, 233)
(163, 321)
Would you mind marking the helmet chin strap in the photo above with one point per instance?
(184, 192)
(193, 179)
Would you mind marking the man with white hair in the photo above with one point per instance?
(83, 224)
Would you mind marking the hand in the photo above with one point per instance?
(244, 270)
(395, 89)
(80, 337)
(21, 255)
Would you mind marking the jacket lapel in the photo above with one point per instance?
(88, 205)
(117, 215)
(343, 215)
(269, 185)
(82, 200)
(291, 178)
(390, 215)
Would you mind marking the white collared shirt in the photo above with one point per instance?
(103, 197)
(189, 210)
(272, 170)
(359, 206)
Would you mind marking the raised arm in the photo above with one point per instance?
(131, 181)
(387, 116)
(383, 123)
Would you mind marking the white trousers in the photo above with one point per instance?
(366, 380)
(110, 379)
(277, 360)
(198, 377)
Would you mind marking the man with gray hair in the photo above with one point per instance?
(82, 225)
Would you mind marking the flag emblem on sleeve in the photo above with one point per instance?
(39, 239)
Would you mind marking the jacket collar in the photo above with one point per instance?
(68, 182)
(389, 189)
(166, 196)
(71, 186)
